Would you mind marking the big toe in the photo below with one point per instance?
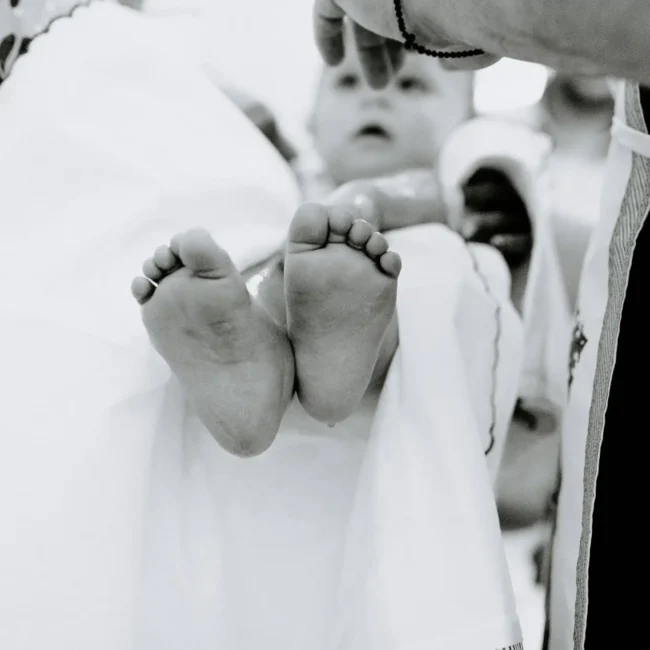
(310, 226)
(202, 255)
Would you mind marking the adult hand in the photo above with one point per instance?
(378, 37)
(605, 38)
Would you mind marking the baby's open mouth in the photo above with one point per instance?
(373, 131)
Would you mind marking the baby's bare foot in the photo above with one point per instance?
(233, 361)
(340, 284)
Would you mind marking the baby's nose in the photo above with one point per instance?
(376, 98)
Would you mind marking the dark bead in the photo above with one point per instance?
(410, 44)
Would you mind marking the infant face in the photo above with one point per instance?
(361, 133)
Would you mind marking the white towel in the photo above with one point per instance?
(112, 140)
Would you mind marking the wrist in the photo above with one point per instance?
(442, 24)
(576, 36)
(512, 28)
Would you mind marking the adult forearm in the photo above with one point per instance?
(605, 37)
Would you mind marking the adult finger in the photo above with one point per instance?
(373, 54)
(329, 31)
(396, 54)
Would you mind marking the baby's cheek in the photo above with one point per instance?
(424, 143)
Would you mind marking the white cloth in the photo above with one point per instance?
(625, 203)
(112, 141)
(522, 154)
(424, 564)
(125, 519)
(520, 546)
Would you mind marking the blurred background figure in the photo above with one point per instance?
(578, 116)
(576, 111)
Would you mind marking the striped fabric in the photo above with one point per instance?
(631, 219)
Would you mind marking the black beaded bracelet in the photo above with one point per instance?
(410, 44)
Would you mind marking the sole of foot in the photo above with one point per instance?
(234, 363)
(340, 288)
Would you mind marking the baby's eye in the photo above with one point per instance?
(412, 84)
(348, 80)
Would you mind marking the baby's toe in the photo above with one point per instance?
(165, 259)
(377, 245)
(360, 233)
(142, 289)
(390, 263)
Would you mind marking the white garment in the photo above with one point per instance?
(520, 546)
(606, 267)
(112, 141)
(522, 154)
(127, 523)
(414, 573)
